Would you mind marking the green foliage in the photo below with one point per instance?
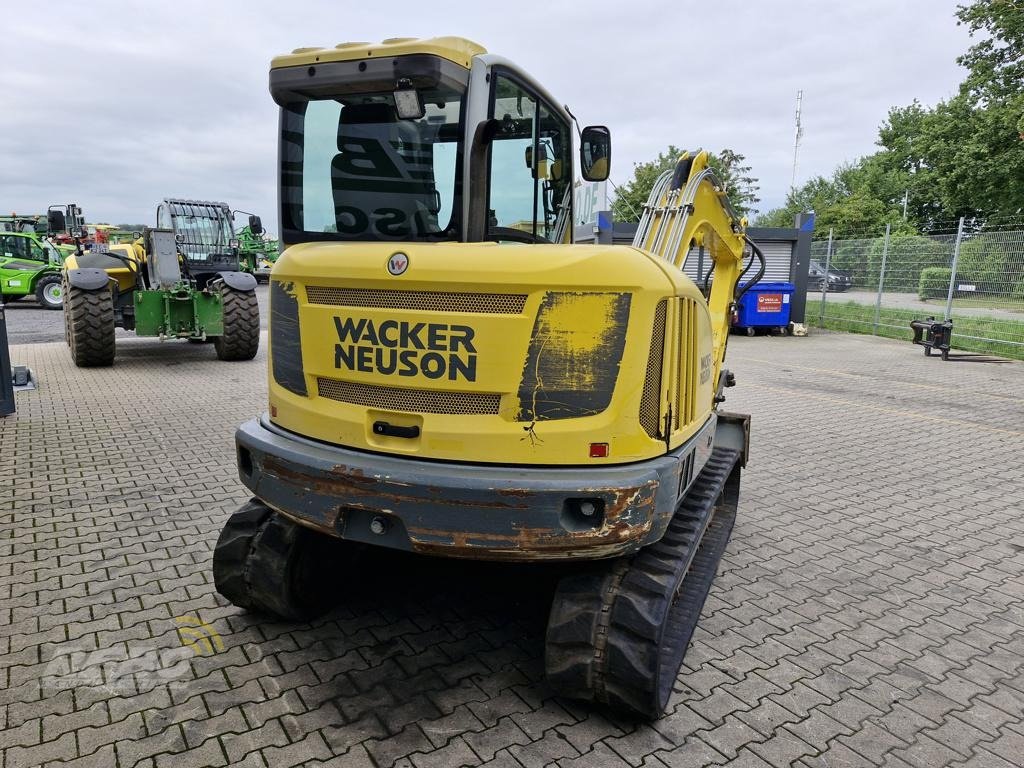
(728, 165)
(995, 64)
(843, 203)
(908, 256)
(1018, 291)
(934, 283)
(985, 263)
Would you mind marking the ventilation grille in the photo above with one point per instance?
(433, 301)
(413, 400)
(650, 410)
(686, 377)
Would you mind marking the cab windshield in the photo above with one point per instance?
(351, 169)
(205, 230)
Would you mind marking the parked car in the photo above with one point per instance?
(836, 281)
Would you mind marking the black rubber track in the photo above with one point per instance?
(265, 563)
(618, 629)
(241, 339)
(89, 326)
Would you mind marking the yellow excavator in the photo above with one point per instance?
(449, 375)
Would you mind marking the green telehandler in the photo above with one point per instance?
(180, 280)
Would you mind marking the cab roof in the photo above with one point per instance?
(457, 50)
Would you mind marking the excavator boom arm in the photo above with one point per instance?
(688, 208)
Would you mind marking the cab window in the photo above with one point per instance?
(20, 248)
(529, 167)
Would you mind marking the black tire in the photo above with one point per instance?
(265, 563)
(50, 292)
(89, 326)
(241, 339)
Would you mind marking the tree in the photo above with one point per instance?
(996, 64)
(844, 203)
(741, 187)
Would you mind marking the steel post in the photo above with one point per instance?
(881, 282)
(824, 283)
(952, 270)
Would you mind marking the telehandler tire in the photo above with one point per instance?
(265, 563)
(89, 326)
(50, 292)
(241, 339)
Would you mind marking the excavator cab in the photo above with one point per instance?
(422, 147)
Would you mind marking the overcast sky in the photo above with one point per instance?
(118, 105)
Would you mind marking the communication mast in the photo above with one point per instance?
(799, 134)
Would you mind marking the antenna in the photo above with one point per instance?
(799, 135)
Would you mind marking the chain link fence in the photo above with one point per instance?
(880, 282)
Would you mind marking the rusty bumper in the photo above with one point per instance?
(467, 510)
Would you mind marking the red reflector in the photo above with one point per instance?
(273, 411)
(598, 450)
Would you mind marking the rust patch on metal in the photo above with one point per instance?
(628, 519)
(342, 481)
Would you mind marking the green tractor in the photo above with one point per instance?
(30, 266)
(180, 280)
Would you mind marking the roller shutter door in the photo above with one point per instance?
(778, 255)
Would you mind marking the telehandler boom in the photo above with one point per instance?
(450, 376)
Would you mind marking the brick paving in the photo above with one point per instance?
(869, 609)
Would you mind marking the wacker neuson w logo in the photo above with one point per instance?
(435, 350)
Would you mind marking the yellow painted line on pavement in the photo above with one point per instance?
(861, 377)
(895, 411)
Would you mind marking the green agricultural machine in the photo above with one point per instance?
(257, 250)
(30, 266)
(30, 262)
(180, 280)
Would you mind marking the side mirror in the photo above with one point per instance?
(255, 225)
(595, 153)
(55, 220)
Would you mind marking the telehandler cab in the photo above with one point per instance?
(181, 280)
(450, 376)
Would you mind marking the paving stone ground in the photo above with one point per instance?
(869, 609)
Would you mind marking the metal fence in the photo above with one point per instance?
(876, 284)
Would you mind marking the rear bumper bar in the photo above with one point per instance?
(468, 510)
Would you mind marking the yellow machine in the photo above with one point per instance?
(450, 376)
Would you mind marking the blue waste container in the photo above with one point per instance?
(765, 306)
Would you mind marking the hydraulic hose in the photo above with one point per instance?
(760, 272)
